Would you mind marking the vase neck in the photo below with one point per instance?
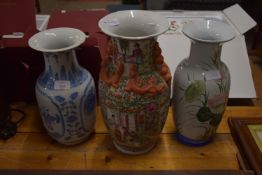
(204, 53)
(61, 63)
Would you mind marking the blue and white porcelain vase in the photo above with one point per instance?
(65, 91)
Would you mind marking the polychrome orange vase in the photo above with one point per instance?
(134, 87)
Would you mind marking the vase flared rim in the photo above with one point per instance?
(57, 39)
(209, 31)
(133, 24)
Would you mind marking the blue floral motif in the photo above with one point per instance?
(68, 71)
(69, 111)
(74, 95)
(63, 73)
(71, 78)
(73, 68)
(71, 119)
(44, 78)
(50, 120)
(59, 99)
(56, 76)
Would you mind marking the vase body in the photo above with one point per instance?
(65, 95)
(201, 88)
(134, 93)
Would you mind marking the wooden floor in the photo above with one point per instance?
(32, 149)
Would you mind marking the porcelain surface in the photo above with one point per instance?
(209, 31)
(57, 39)
(65, 91)
(133, 24)
(201, 83)
(134, 86)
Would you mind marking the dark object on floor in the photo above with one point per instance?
(8, 128)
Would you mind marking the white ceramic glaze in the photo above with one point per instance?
(57, 39)
(65, 91)
(201, 83)
(133, 24)
(209, 31)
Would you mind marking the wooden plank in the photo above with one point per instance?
(21, 159)
(167, 155)
(100, 124)
(39, 142)
(33, 151)
(32, 121)
(118, 172)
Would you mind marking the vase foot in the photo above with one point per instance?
(133, 151)
(191, 142)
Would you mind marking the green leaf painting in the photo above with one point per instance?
(204, 114)
(194, 90)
